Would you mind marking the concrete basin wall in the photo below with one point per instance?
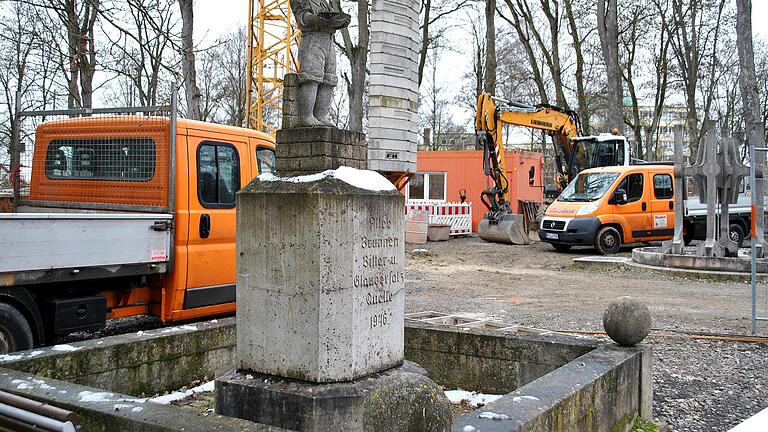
(486, 360)
(551, 383)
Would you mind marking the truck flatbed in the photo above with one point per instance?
(48, 247)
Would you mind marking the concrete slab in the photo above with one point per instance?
(300, 405)
(628, 263)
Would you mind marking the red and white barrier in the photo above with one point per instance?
(457, 215)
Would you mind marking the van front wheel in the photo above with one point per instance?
(608, 240)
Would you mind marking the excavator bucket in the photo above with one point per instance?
(509, 229)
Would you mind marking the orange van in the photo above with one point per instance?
(609, 206)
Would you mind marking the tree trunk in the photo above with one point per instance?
(490, 47)
(425, 41)
(188, 60)
(747, 80)
(357, 54)
(522, 30)
(607, 26)
(581, 94)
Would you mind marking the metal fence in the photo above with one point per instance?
(98, 159)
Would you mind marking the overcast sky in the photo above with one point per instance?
(213, 19)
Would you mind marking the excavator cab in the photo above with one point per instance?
(597, 151)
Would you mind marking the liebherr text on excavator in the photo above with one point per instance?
(573, 153)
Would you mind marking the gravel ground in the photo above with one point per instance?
(698, 385)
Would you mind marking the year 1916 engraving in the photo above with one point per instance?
(380, 319)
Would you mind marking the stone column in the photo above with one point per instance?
(320, 307)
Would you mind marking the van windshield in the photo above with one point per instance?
(588, 187)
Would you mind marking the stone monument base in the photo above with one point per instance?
(303, 151)
(401, 398)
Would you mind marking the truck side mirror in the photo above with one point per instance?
(619, 197)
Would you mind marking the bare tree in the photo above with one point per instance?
(142, 50)
(608, 30)
(357, 54)
(525, 33)
(695, 36)
(747, 80)
(432, 13)
(584, 108)
(490, 47)
(188, 66)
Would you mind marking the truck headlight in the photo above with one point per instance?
(588, 208)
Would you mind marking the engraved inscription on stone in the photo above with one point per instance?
(379, 272)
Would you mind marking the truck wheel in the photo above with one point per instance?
(15, 333)
(561, 247)
(736, 234)
(608, 240)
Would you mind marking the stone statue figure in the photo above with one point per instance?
(317, 59)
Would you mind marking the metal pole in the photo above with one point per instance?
(172, 170)
(30, 417)
(753, 240)
(16, 154)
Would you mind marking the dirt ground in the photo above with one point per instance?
(699, 385)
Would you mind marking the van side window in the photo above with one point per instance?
(218, 174)
(662, 186)
(266, 159)
(633, 184)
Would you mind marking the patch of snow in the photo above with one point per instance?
(756, 423)
(469, 428)
(99, 342)
(520, 398)
(36, 353)
(179, 395)
(63, 391)
(118, 407)
(23, 386)
(65, 348)
(137, 409)
(189, 327)
(473, 399)
(362, 179)
(89, 396)
(10, 357)
(43, 385)
(493, 416)
(213, 321)
(140, 333)
(420, 251)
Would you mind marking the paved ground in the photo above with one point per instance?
(699, 385)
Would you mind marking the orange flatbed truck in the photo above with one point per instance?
(126, 215)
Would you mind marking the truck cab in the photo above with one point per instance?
(126, 215)
(607, 207)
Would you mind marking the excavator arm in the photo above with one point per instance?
(499, 224)
(561, 124)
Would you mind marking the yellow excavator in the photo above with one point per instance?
(573, 153)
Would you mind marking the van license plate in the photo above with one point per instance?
(552, 236)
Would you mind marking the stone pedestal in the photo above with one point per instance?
(320, 278)
(303, 151)
(397, 399)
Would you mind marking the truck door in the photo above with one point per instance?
(636, 213)
(218, 169)
(663, 205)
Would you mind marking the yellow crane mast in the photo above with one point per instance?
(272, 40)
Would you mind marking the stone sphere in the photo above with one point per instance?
(627, 321)
(407, 402)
